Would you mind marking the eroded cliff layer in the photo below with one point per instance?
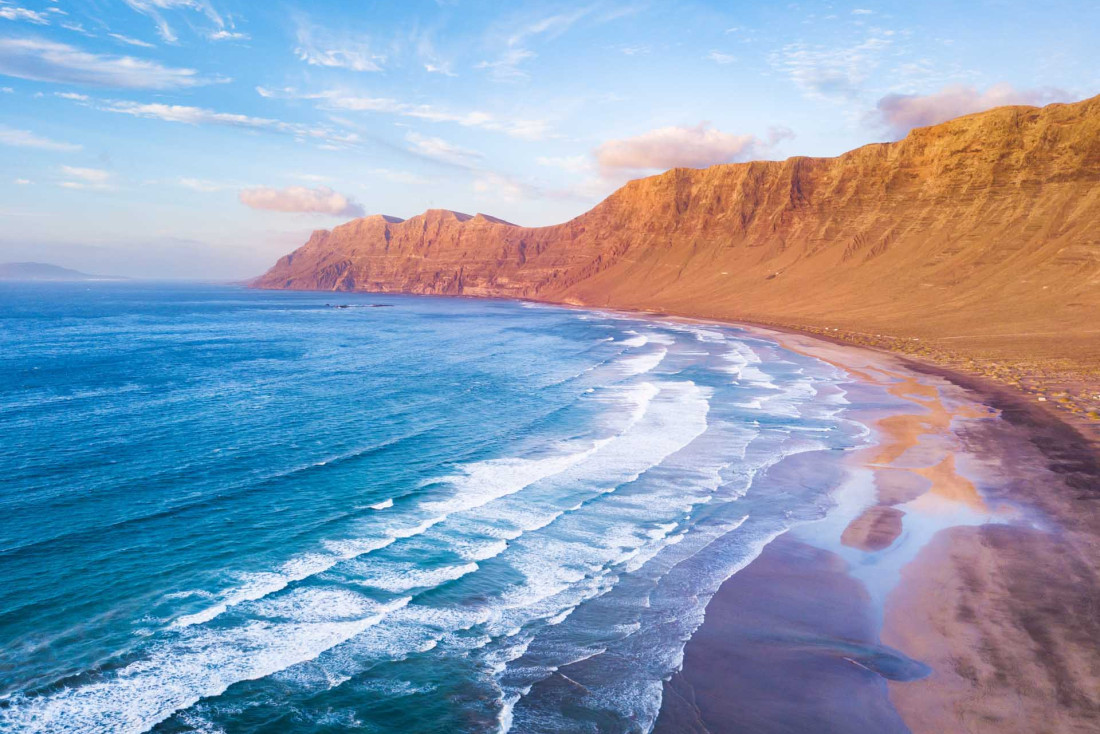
(986, 227)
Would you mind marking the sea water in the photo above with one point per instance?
(225, 510)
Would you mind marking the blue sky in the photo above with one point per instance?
(204, 138)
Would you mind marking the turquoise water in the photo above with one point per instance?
(227, 510)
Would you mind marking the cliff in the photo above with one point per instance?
(981, 235)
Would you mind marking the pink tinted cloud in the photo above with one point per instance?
(900, 113)
(299, 199)
(675, 147)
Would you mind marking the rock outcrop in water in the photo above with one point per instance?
(985, 225)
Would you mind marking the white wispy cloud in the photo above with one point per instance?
(190, 115)
(523, 129)
(301, 200)
(900, 113)
(88, 178)
(224, 35)
(432, 61)
(131, 41)
(500, 187)
(201, 116)
(14, 12)
(77, 28)
(506, 66)
(203, 185)
(721, 58)
(832, 72)
(23, 182)
(91, 175)
(675, 147)
(440, 150)
(73, 96)
(443, 68)
(50, 61)
(339, 50)
(154, 9)
(26, 139)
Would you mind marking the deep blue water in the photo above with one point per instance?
(241, 511)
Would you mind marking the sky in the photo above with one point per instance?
(206, 138)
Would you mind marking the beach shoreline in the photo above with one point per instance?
(968, 476)
(1000, 450)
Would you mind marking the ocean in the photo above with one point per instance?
(226, 510)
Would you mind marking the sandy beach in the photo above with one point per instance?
(953, 589)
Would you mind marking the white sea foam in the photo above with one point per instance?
(259, 585)
(570, 519)
(199, 664)
(639, 364)
(400, 578)
(478, 484)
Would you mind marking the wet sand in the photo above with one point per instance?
(967, 540)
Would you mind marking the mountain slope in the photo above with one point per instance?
(981, 235)
(42, 271)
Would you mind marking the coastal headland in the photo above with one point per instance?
(971, 244)
(955, 276)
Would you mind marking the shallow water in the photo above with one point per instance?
(239, 511)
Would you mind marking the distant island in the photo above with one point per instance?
(46, 272)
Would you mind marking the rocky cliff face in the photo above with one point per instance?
(987, 224)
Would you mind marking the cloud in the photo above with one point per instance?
(153, 8)
(443, 68)
(224, 35)
(131, 41)
(189, 115)
(425, 50)
(49, 61)
(506, 66)
(832, 73)
(91, 175)
(319, 47)
(900, 113)
(862, 11)
(90, 178)
(720, 58)
(14, 12)
(299, 199)
(23, 182)
(337, 100)
(26, 139)
(439, 149)
(778, 133)
(500, 187)
(675, 147)
(202, 185)
(77, 28)
(73, 96)
(201, 116)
